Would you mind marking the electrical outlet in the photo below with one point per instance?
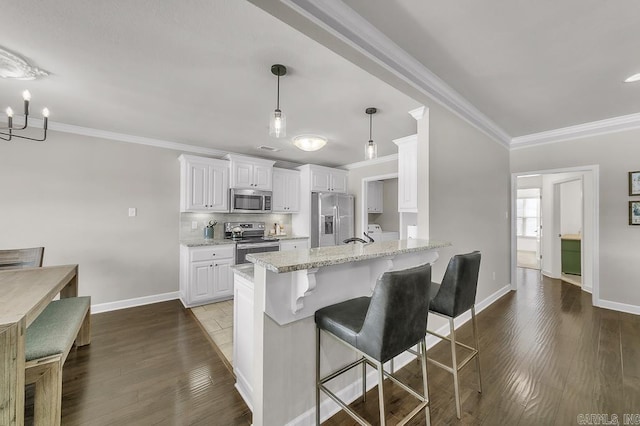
(194, 224)
(132, 211)
(494, 276)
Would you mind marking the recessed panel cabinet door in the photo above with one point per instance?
(199, 186)
(201, 281)
(320, 180)
(262, 177)
(223, 278)
(292, 185)
(339, 182)
(243, 175)
(218, 189)
(278, 202)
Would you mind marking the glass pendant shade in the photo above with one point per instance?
(370, 150)
(278, 124)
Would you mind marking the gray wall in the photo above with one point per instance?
(469, 197)
(71, 194)
(616, 154)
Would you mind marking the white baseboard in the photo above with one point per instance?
(130, 303)
(617, 306)
(353, 391)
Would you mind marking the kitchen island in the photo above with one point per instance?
(274, 329)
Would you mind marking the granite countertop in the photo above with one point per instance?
(245, 270)
(289, 261)
(201, 242)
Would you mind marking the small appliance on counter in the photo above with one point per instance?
(249, 237)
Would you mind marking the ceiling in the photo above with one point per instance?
(528, 66)
(197, 72)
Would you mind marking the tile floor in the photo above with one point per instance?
(217, 319)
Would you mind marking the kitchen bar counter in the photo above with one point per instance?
(274, 329)
(245, 270)
(290, 261)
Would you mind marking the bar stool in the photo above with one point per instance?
(455, 296)
(378, 328)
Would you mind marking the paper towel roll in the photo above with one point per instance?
(412, 232)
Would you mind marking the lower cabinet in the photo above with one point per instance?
(286, 245)
(570, 259)
(205, 274)
(243, 338)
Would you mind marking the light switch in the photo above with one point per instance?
(194, 224)
(132, 211)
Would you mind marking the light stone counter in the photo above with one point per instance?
(290, 261)
(245, 270)
(202, 242)
(289, 237)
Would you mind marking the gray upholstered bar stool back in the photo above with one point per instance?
(379, 327)
(450, 299)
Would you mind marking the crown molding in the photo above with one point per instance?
(379, 160)
(418, 113)
(594, 128)
(347, 25)
(120, 137)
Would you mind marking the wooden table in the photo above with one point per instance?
(24, 293)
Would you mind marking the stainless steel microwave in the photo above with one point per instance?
(249, 201)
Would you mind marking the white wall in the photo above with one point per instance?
(71, 194)
(616, 154)
(571, 207)
(469, 198)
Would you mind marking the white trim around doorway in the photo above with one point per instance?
(591, 231)
(364, 218)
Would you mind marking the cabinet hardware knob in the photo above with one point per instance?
(213, 254)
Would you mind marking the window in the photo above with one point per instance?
(527, 215)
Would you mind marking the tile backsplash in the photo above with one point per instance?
(186, 233)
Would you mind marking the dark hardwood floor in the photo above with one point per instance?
(150, 365)
(547, 356)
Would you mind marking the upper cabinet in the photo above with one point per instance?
(407, 174)
(326, 179)
(374, 196)
(204, 184)
(286, 191)
(250, 172)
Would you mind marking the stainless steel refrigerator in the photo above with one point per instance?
(332, 218)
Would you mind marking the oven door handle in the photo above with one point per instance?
(257, 245)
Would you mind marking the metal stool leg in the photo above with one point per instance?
(381, 392)
(317, 376)
(425, 386)
(454, 366)
(475, 333)
(364, 382)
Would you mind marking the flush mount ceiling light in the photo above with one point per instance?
(14, 67)
(309, 142)
(370, 148)
(633, 78)
(277, 119)
(10, 133)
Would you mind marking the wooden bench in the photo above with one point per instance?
(48, 341)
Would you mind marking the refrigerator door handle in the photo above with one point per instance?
(336, 228)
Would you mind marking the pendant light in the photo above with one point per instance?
(370, 149)
(277, 119)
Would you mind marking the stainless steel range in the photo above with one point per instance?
(249, 237)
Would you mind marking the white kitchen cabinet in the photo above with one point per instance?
(326, 179)
(243, 337)
(286, 191)
(407, 174)
(375, 196)
(204, 184)
(250, 172)
(205, 274)
(286, 245)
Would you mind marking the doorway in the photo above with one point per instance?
(551, 229)
(379, 210)
(528, 226)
